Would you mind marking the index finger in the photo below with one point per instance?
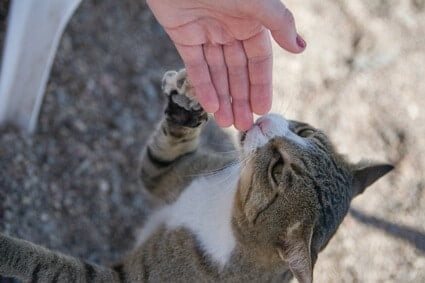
(199, 75)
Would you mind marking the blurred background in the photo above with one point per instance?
(72, 186)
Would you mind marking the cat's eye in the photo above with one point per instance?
(277, 169)
(305, 132)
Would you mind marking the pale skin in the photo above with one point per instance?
(226, 48)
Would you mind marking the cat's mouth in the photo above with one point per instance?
(253, 138)
(259, 124)
(242, 137)
(244, 134)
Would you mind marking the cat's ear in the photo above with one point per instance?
(295, 250)
(364, 176)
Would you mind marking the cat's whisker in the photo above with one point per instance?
(241, 162)
(226, 144)
(236, 151)
(246, 157)
(246, 160)
(215, 171)
(285, 103)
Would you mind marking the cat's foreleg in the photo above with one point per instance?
(178, 133)
(32, 263)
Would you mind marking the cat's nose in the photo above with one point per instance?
(272, 124)
(267, 128)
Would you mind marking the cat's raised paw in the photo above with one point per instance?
(183, 108)
(178, 88)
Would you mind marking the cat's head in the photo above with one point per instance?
(294, 191)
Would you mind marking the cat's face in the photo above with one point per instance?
(293, 192)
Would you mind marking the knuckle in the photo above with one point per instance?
(240, 104)
(260, 59)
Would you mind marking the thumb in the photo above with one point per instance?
(281, 23)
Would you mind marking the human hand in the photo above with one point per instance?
(226, 49)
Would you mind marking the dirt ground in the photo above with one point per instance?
(72, 186)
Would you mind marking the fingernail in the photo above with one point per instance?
(301, 42)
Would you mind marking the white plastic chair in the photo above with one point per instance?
(34, 29)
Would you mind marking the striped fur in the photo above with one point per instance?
(31, 263)
(258, 214)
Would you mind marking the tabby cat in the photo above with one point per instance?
(259, 214)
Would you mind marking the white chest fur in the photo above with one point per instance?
(205, 208)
